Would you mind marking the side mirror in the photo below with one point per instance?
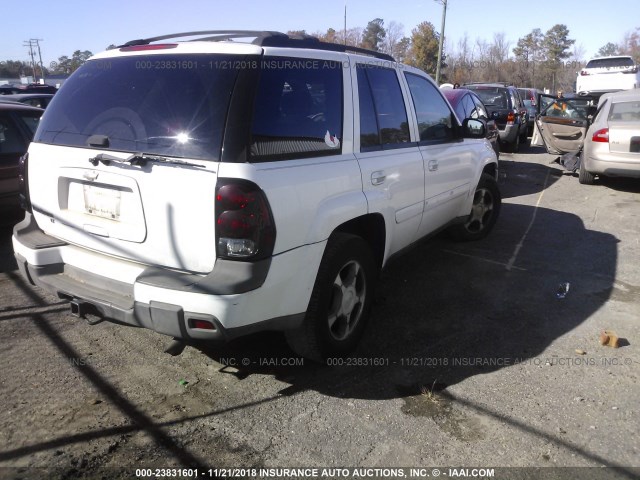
(474, 128)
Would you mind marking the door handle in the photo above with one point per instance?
(378, 178)
(433, 165)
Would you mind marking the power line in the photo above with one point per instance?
(35, 43)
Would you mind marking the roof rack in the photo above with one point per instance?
(263, 39)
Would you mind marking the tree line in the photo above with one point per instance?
(539, 59)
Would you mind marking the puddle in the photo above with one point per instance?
(432, 401)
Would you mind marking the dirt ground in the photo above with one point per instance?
(470, 359)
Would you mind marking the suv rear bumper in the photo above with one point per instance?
(509, 134)
(255, 297)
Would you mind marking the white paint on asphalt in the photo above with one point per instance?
(516, 252)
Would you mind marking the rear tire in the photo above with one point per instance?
(484, 212)
(585, 177)
(340, 301)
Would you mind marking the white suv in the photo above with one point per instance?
(212, 188)
(608, 74)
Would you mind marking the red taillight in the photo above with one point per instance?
(583, 73)
(245, 229)
(601, 135)
(23, 182)
(511, 118)
(202, 324)
(156, 46)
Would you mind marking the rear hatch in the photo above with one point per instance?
(496, 99)
(124, 161)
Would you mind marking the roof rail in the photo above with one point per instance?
(263, 39)
(502, 84)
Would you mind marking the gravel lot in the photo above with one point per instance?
(469, 361)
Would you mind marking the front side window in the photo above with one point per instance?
(298, 109)
(434, 115)
(383, 116)
(172, 105)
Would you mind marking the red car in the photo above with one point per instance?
(467, 104)
(18, 123)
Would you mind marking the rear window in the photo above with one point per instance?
(172, 105)
(625, 111)
(610, 62)
(492, 96)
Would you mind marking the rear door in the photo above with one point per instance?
(563, 122)
(389, 158)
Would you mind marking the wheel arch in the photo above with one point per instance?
(371, 228)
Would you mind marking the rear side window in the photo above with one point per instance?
(298, 109)
(434, 115)
(31, 120)
(172, 105)
(625, 111)
(383, 116)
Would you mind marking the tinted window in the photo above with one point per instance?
(480, 111)
(10, 139)
(383, 96)
(298, 109)
(610, 62)
(172, 105)
(492, 96)
(31, 120)
(469, 107)
(434, 116)
(460, 109)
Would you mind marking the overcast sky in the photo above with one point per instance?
(70, 25)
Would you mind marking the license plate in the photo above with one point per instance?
(102, 202)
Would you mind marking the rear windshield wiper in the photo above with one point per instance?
(139, 159)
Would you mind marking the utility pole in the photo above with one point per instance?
(345, 23)
(28, 43)
(444, 16)
(37, 41)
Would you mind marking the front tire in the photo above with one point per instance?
(484, 212)
(340, 301)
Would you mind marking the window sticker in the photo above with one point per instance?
(331, 141)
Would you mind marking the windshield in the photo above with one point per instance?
(161, 104)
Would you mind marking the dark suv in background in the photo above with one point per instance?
(505, 106)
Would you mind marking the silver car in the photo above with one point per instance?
(612, 143)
